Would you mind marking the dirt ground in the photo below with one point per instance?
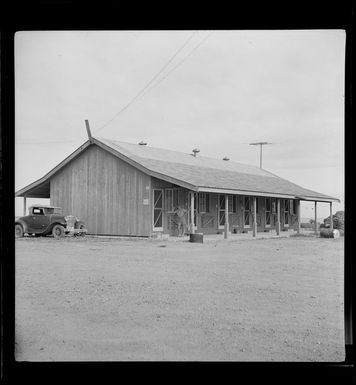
(117, 299)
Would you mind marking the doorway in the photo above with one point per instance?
(221, 211)
(157, 210)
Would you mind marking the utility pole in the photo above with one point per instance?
(260, 144)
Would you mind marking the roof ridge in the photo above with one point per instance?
(185, 153)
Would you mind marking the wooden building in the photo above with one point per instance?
(128, 189)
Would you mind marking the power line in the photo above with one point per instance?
(150, 82)
(179, 63)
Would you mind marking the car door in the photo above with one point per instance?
(38, 221)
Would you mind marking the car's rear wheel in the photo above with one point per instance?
(58, 231)
(18, 231)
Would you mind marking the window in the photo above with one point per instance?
(37, 211)
(204, 202)
(274, 206)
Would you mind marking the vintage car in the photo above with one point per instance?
(46, 220)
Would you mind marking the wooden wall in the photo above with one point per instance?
(105, 192)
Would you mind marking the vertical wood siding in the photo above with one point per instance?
(105, 192)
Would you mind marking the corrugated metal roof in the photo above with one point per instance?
(211, 173)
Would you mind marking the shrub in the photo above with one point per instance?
(338, 221)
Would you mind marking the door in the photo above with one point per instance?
(38, 221)
(268, 212)
(286, 213)
(157, 210)
(172, 203)
(247, 212)
(221, 211)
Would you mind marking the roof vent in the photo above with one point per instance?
(195, 151)
(143, 143)
(226, 158)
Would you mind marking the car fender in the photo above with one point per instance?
(51, 225)
(23, 224)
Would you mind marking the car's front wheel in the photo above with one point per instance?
(58, 231)
(18, 231)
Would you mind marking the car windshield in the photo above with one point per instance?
(53, 210)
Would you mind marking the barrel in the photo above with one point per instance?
(328, 233)
(196, 238)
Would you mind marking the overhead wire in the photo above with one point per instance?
(146, 88)
(179, 63)
(141, 94)
(150, 82)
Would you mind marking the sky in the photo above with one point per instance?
(213, 90)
